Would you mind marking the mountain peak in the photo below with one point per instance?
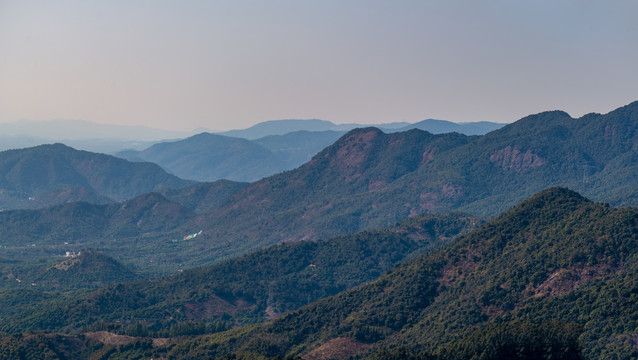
(551, 204)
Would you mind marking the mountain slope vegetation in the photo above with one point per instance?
(205, 196)
(255, 287)
(51, 174)
(555, 257)
(553, 278)
(370, 179)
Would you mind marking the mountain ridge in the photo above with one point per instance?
(578, 249)
(27, 174)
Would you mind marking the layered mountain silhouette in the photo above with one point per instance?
(369, 179)
(282, 127)
(210, 157)
(242, 155)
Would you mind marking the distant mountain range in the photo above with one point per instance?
(52, 174)
(209, 157)
(104, 138)
(83, 135)
(282, 127)
(84, 130)
(242, 155)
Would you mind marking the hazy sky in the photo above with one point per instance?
(230, 64)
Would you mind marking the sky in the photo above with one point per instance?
(220, 65)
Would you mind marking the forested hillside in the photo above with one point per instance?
(370, 179)
(557, 257)
(46, 175)
(253, 288)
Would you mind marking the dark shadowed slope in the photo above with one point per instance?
(49, 174)
(205, 196)
(86, 223)
(555, 257)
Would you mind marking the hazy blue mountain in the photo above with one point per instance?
(106, 146)
(210, 157)
(442, 126)
(297, 148)
(83, 130)
(279, 127)
(369, 179)
(282, 127)
(50, 174)
(243, 162)
(83, 135)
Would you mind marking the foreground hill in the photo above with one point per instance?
(252, 288)
(26, 284)
(53, 174)
(556, 256)
(554, 278)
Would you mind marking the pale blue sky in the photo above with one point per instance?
(230, 64)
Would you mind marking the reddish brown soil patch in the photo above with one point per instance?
(427, 156)
(353, 152)
(491, 310)
(513, 159)
(214, 306)
(108, 338)
(565, 280)
(452, 191)
(157, 342)
(337, 348)
(456, 270)
(375, 185)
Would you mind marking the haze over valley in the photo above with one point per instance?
(318, 180)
